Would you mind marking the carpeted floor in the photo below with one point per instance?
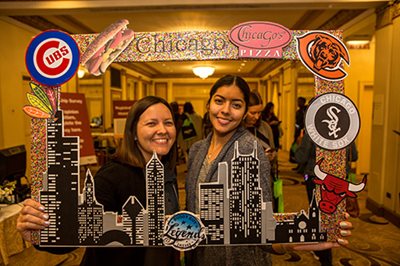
(370, 244)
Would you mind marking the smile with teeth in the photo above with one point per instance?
(160, 141)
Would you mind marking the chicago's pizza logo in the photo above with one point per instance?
(322, 54)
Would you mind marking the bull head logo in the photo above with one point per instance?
(322, 54)
(334, 189)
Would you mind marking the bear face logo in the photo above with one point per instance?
(325, 53)
(322, 54)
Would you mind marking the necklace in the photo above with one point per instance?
(213, 151)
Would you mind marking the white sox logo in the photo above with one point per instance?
(52, 58)
(332, 121)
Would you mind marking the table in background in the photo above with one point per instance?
(11, 242)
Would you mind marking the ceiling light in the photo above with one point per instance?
(358, 42)
(81, 72)
(203, 71)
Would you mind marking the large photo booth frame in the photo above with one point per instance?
(79, 220)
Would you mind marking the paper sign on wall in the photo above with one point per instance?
(76, 123)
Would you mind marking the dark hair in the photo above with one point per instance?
(174, 107)
(232, 80)
(267, 110)
(301, 100)
(128, 152)
(268, 107)
(188, 108)
(255, 98)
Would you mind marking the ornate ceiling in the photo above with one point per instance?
(180, 15)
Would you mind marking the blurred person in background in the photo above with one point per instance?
(269, 116)
(191, 130)
(258, 127)
(306, 155)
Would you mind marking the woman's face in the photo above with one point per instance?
(227, 109)
(253, 114)
(155, 131)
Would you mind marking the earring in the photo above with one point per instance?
(135, 138)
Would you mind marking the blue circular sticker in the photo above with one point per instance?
(52, 58)
(183, 231)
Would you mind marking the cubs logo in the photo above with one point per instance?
(332, 121)
(322, 54)
(52, 58)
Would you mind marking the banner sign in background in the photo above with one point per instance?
(121, 108)
(76, 123)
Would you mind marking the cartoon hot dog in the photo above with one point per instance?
(107, 47)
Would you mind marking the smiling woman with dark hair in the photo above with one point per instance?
(227, 106)
(149, 128)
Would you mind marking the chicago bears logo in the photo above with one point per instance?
(322, 54)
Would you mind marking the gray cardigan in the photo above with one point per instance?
(198, 153)
(220, 255)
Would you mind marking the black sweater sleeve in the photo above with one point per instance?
(116, 182)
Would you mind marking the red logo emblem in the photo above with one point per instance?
(322, 54)
(334, 189)
(53, 58)
(258, 39)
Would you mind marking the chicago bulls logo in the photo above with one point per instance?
(322, 54)
(334, 189)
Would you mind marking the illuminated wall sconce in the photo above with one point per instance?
(203, 71)
(81, 72)
(358, 42)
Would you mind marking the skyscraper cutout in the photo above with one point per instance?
(238, 214)
(90, 215)
(232, 209)
(155, 200)
(61, 185)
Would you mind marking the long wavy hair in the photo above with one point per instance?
(128, 151)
